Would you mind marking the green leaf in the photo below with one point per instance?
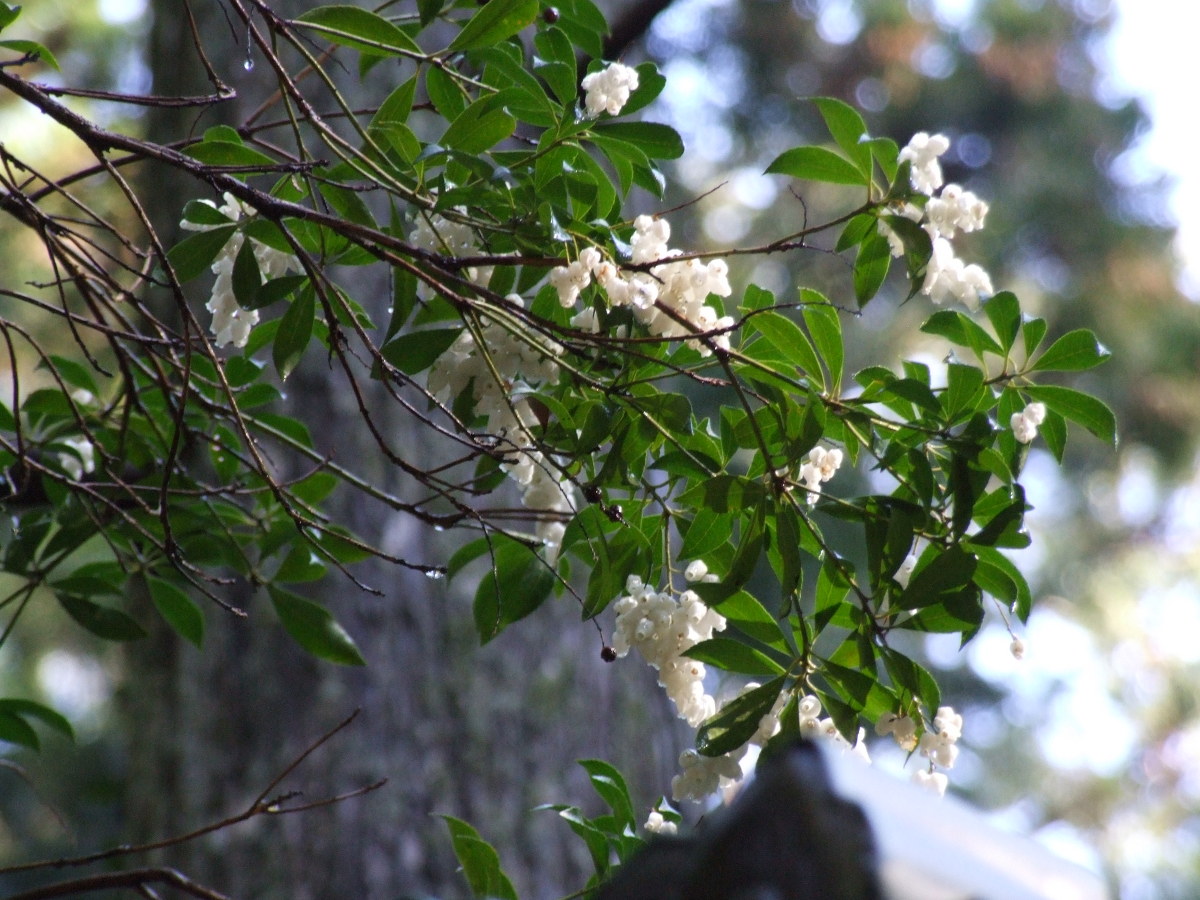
(33, 48)
(246, 278)
(227, 154)
(493, 23)
(416, 351)
(178, 609)
(745, 613)
(1073, 352)
(961, 330)
(738, 719)
(195, 253)
(8, 15)
(848, 130)
(479, 860)
(657, 141)
(1004, 312)
(16, 730)
(48, 716)
(295, 331)
(816, 164)
(610, 785)
(789, 339)
(517, 584)
(359, 29)
(102, 621)
(871, 266)
(945, 574)
(1082, 409)
(725, 493)
(480, 127)
(826, 330)
(734, 656)
(314, 628)
(204, 214)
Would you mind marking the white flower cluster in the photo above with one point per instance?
(608, 90)
(439, 235)
(663, 627)
(1025, 423)
(82, 461)
(507, 366)
(669, 300)
(940, 748)
(230, 323)
(822, 464)
(953, 210)
(656, 823)
(902, 728)
(813, 725)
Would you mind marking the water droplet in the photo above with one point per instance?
(435, 574)
(248, 65)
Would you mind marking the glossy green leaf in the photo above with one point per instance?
(725, 493)
(314, 628)
(178, 609)
(44, 714)
(359, 29)
(734, 656)
(790, 340)
(871, 266)
(102, 621)
(195, 253)
(1004, 312)
(738, 719)
(516, 585)
(1073, 352)
(655, 140)
(826, 330)
(246, 278)
(16, 730)
(479, 860)
(33, 48)
(961, 330)
(610, 785)
(479, 128)
(945, 574)
(295, 331)
(848, 130)
(228, 155)
(816, 164)
(416, 351)
(1080, 408)
(494, 22)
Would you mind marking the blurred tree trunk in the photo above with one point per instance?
(484, 735)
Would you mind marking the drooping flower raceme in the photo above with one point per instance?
(923, 151)
(822, 464)
(954, 209)
(231, 324)
(940, 747)
(669, 300)
(499, 370)
(608, 90)
(662, 627)
(1025, 423)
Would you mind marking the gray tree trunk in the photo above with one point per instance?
(484, 735)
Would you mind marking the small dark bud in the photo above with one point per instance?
(608, 654)
(592, 494)
(550, 15)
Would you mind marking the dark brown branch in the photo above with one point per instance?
(135, 878)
